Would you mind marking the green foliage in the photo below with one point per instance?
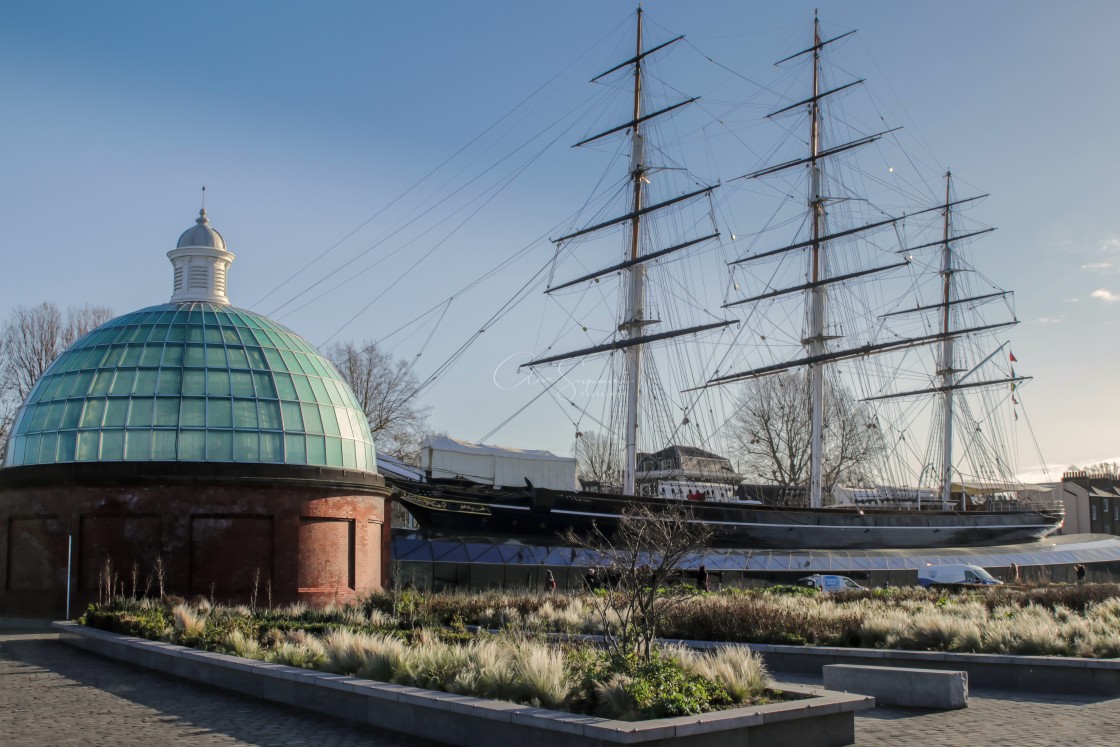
(632, 687)
(792, 590)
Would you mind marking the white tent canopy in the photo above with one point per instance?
(449, 458)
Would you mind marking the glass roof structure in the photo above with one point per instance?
(192, 382)
(1067, 549)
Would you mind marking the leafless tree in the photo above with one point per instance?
(386, 391)
(639, 567)
(30, 340)
(598, 458)
(771, 431)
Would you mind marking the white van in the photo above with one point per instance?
(829, 583)
(955, 575)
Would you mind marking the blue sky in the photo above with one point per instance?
(304, 120)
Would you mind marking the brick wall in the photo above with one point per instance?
(311, 544)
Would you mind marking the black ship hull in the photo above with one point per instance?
(455, 510)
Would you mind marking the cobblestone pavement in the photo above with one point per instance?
(992, 718)
(54, 694)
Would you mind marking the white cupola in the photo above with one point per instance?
(200, 261)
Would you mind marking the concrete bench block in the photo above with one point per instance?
(914, 688)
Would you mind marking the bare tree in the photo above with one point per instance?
(31, 339)
(638, 569)
(771, 432)
(598, 458)
(386, 391)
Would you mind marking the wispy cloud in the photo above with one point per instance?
(1071, 300)
(1104, 294)
(1103, 266)
(1110, 245)
(1049, 320)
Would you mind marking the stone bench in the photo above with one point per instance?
(914, 688)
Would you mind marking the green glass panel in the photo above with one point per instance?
(336, 397)
(263, 382)
(246, 447)
(219, 446)
(219, 413)
(16, 451)
(67, 444)
(152, 355)
(24, 424)
(215, 356)
(145, 381)
(195, 334)
(172, 355)
(54, 415)
(138, 445)
(192, 446)
(316, 450)
(284, 386)
(290, 362)
(293, 418)
(142, 333)
(312, 420)
(256, 358)
(244, 413)
(275, 360)
(213, 336)
(237, 359)
(176, 333)
(295, 450)
(330, 420)
(72, 415)
(210, 319)
(47, 445)
(194, 381)
(303, 388)
(102, 381)
(159, 333)
(31, 449)
(112, 445)
(229, 336)
(334, 452)
(131, 355)
(349, 460)
(65, 387)
(195, 355)
(170, 381)
(272, 447)
(140, 412)
(167, 411)
(92, 415)
(164, 446)
(90, 359)
(241, 383)
(49, 386)
(122, 383)
(320, 389)
(269, 414)
(192, 412)
(217, 382)
(116, 411)
(261, 338)
(112, 356)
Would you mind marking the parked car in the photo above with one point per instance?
(955, 575)
(830, 583)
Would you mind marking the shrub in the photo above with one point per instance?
(241, 645)
(188, 624)
(740, 671)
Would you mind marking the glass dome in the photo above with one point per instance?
(192, 382)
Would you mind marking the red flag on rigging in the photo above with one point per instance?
(1012, 357)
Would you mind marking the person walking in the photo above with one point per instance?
(549, 582)
(1014, 568)
(1079, 571)
(702, 578)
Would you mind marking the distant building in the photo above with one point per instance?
(194, 446)
(1092, 502)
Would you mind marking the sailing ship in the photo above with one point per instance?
(952, 512)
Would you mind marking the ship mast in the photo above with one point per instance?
(815, 342)
(630, 337)
(946, 369)
(633, 321)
